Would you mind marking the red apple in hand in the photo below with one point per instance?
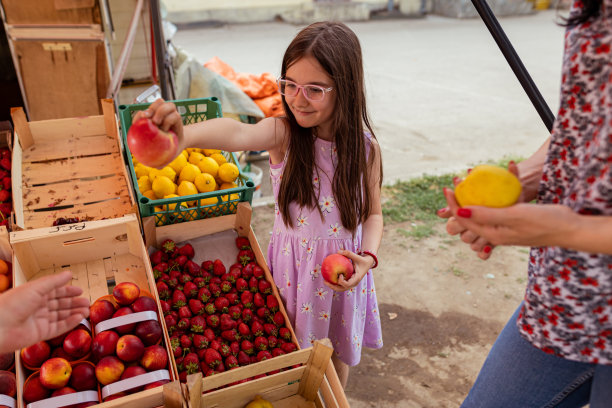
(150, 145)
(335, 265)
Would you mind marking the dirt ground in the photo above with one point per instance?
(441, 310)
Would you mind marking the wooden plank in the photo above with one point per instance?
(131, 269)
(51, 11)
(53, 129)
(294, 401)
(70, 146)
(194, 229)
(97, 211)
(72, 193)
(96, 278)
(71, 169)
(27, 32)
(22, 127)
(315, 370)
(336, 387)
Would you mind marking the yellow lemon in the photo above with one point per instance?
(195, 157)
(219, 158)
(259, 402)
(172, 206)
(209, 152)
(189, 173)
(160, 219)
(231, 197)
(162, 186)
(187, 188)
(205, 183)
(225, 186)
(150, 195)
(208, 165)
(178, 163)
(168, 172)
(153, 173)
(489, 186)
(141, 170)
(144, 184)
(228, 172)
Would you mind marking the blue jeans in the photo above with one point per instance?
(518, 375)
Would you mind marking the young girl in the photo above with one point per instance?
(326, 173)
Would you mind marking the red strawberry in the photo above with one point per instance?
(212, 320)
(245, 256)
(226, 322)
(187, 250)
(218, 268)
(165, 307)
(199, 282)
(243, 243)
(204, 295)
(207, 276)
(178, 262)
(231, 362)
(258, 271)
(226, 286)
(215, 344)
(216, 280)
(258, 300)
(288, 347)
(220, 367)
(270, 329)
(265, 287)
(174, 274)
(225, 350)
(279, 319)
(263, 355)
(247, 315)
(233, 298)
(261, 343)
(6, 208)
(198, 324)
(233, 275)
(212, 358)
(247, 270)
(241, 285)
(272, 303)
(175, 344)
(244, 331)
(191, 363)
(272, 342)
(159, 270)
(277, 352)
(158, 257)
(235, 312)
(170, 323)
(183, 324)
(247, 347)
(6, 183)
(192, 268)
(246, 298)
(162, 290)
(230, 335)
(207, 266)
(284, 333)
(190, 290)
(172, 283)
(178, 299)
(243, 358)
(184, 278)
(263, 313)
(5, 162)
(210, 308)
(221, 303)
(235, 347)
(257, 329)
(199, 341)
(185, 341)
(206, 370)
(196, 306)
(184, 312)
(168, 246)
(214, 289)
(209, 334)
(253, 284)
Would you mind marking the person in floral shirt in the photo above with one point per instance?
(556, 351)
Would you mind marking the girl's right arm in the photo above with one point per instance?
(222, 133)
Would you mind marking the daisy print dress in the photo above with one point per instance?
(349, 319)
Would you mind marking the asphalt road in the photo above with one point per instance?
(441, 96)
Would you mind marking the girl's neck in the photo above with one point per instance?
(323, 134)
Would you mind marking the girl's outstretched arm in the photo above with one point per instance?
(372, 229)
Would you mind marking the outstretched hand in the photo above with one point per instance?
(39, 310)
(361, 266)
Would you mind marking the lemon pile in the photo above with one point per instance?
(193, 171)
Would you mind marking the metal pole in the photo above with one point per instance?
(515, 62)
(161, 56)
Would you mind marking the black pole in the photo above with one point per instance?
(161, 56)
(515, 62)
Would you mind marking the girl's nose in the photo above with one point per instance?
(300, 99)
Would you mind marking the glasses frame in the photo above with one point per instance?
(303, 88)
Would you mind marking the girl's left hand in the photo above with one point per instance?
(361, 266)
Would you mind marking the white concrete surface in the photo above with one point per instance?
(441, 95)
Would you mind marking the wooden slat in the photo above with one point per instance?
(71, 169)
(92, 32)
(51, 11)
(315, 370)
(22, 127)
(54, 129)
(97, 211)
(72, 193)
(70, 146)
(336, 387)
(131, 269)
(294, 401)
(96, 277)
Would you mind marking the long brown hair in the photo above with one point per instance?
(589, 10)
(338, 51)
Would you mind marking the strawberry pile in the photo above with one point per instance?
(218, 319)
(6, 203)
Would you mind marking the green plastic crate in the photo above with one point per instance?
(175, 210)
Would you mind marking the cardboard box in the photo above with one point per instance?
(68, 168)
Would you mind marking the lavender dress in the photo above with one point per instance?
(349, 319)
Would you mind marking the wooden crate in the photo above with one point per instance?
(313, 384)
(100, 254)
(63, 71)
(51, 11)
(214, 238)
(68, 168)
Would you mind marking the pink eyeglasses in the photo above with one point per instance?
(314, 93)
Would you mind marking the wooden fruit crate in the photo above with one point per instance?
(68, 168)
(314, 383)
(100, 254)
(52, 11)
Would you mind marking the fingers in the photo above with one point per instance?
(171, 121)
(513, 168)
(350, 255)
(50, 283)
(337, 288)
(161, 112)
(67, 303)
